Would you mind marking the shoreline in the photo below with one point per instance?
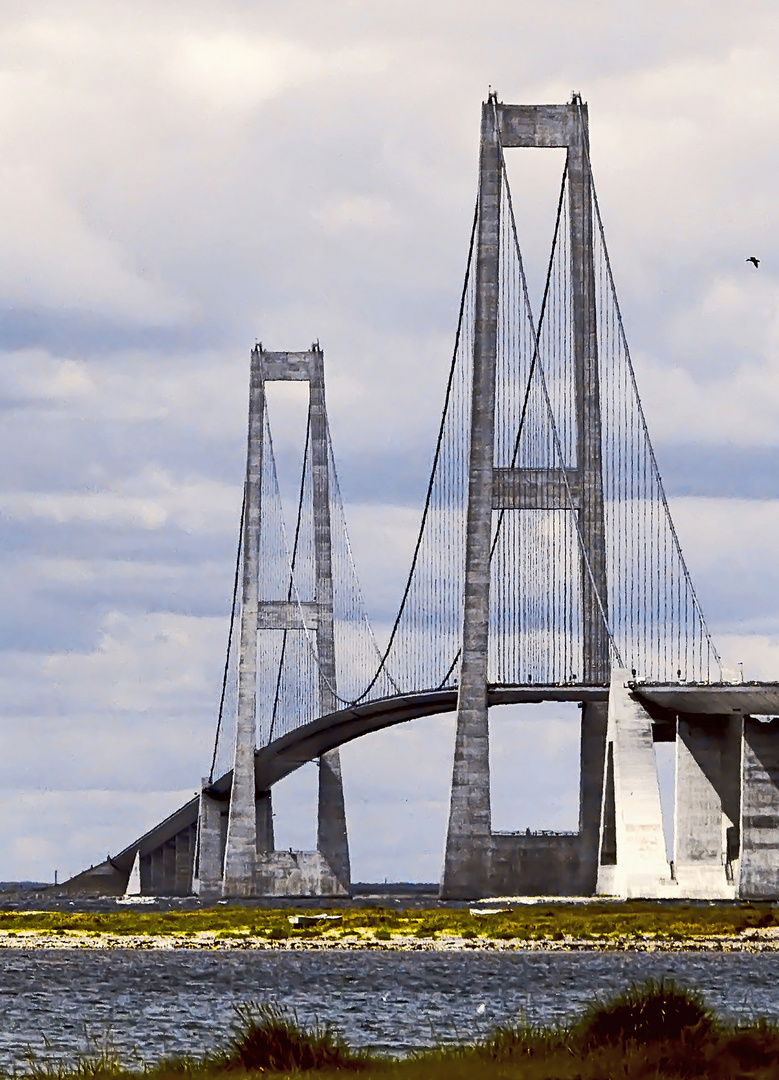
(754, 940)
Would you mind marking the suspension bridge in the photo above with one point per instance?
(546, 568)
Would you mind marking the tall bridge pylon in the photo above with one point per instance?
(571, 560)
(515, 488)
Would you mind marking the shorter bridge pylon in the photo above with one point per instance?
(236, 847)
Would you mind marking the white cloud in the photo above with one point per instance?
(150, 501)
(356, 212)
(719, 533)
(68, 831)
(738, 408)
(759, 654)
(236, 73)
(51, 257)
(161, 663)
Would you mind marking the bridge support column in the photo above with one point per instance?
(592, 758)
(468, 856)
(184, 861)
(158, 872)
(145, 874)
(760, 810)
(633, 860)
(207, 869)
(332, 839)
(167, 885)
(708, 780)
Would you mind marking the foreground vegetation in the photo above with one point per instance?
(653, 1031)
(531, 922)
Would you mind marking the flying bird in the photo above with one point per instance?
(755, 262)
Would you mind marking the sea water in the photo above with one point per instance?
(156, 1003)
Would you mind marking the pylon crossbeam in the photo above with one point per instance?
(536, 489)
(288, 615)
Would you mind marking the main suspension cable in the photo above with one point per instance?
(229, 636)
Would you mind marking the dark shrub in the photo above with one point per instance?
(754, 1048)
(645, 1014)
(267, 1038)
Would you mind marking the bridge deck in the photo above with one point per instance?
(748, 699)
(289, 752)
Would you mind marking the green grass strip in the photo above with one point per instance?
(527, 922)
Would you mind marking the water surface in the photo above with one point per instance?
(158, 1003)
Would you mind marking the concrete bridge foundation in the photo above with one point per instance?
(706, 816)
(207, 867)
(633, 859)
(759, 878)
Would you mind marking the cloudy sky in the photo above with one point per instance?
(180, 180)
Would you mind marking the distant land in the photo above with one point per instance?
(23, 886)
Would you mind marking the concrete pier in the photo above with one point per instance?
(707, 810)
(208, 868)
(184, 851)
(759, 877)
(535, 864)
(297, 873)
(592, 762)
(332, 838)
(633, 857)
(263, 810)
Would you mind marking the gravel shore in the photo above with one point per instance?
(753, 940)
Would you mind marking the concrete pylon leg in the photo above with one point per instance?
(241, 853)
(240, 859)
(468, 855)
(640, 867)
(184, 862)
(592, 762)
(207, 866)
(332, 837)
(708, 775)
